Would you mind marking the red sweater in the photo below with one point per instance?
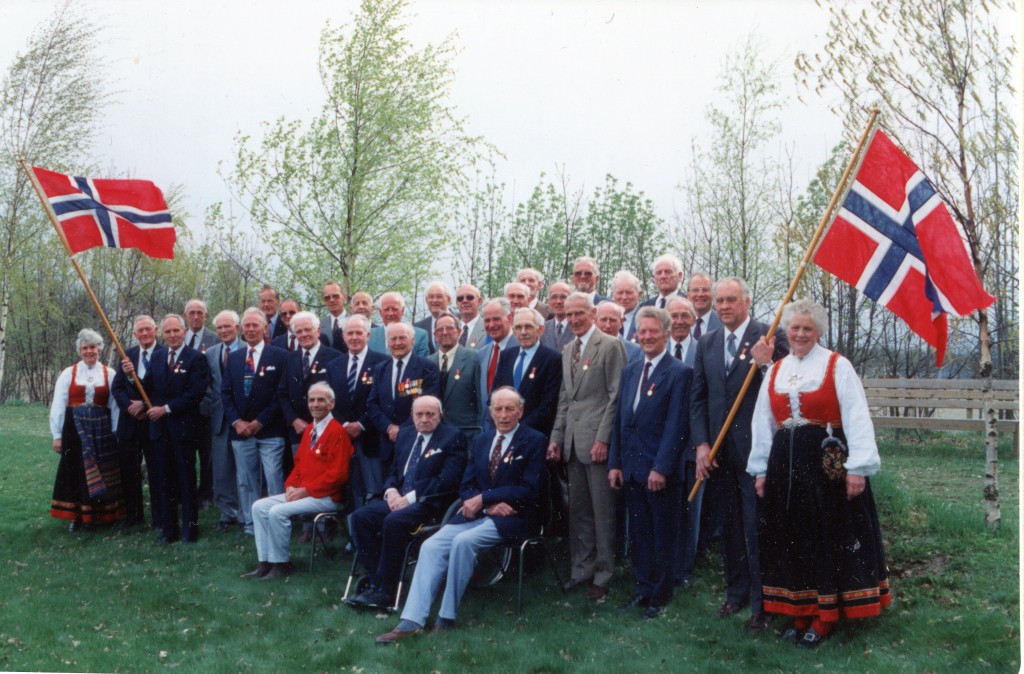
(323, 469)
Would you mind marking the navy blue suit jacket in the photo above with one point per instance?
(384, 408)
(294, 387)
(353, 406)
(442, 463)
(653, 301)
(654, 436)
(540, 386)
(181, 388)
(124, 392)
(262, 403)
(519, 481)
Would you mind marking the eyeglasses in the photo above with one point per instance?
(465, 298)
(288, 313)
(583, 272)
(335, 296)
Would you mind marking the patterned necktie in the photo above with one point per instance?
(731, 348)
(192, 342)
(492, 367)
(170, 358)
(224, 351)
(696, 328)
(643, 385)
(517, 375)
(291, 343)
(444, 373)
(577, 352)
(679, 350)
(398, 376)
(464, 337)
(305, 363)
(145, 363)
(353, 370)
(250, 371)
(558, 331)
(492, 465)
(661, 303)
(312, 437)
(410, 469)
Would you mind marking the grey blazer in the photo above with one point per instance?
(212, 404)
(586, 406)
(461, 399)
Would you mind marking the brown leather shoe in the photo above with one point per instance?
(759, 623)
(573, 583)
(597, 593)
(260, 571)
(279, 570)
(397, 634)
(729, 609)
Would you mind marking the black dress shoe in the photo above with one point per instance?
(792, 634)
(167, 540)
(810, 639)
(575, 582)
(759, 622)
(638, 600)
(378, 599)
(278, 570)
(128, 523)
(260, 571)
(652, 612)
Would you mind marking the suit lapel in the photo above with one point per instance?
(589, 354)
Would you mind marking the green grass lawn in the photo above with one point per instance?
(105, 601)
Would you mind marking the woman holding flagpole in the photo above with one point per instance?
(813, 449)
(82, 415)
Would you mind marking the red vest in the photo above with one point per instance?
(76, 392)
(818, 407)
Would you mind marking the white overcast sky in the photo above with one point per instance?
(598, 86)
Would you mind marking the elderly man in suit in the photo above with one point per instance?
(517, 294)
(133, 425)
(305, 366)
(556, 329)
(351, 377)
(668, 276)
(471, 326)
(250, 391)
(699, 293)
(270, 302)
(430, 458)
(459, 377)
(626, 290)
(591, 371)
(682, 345)
(585, 276)
(532, 369)
(199, 338)
(287, 341)
(438, 298)
(180, 377)
(224, 479)
(651, 430)
(534, 280)
(610, 321)
(332, 326)
(500, 492)
(392, 308)
(397, 382)
(315, 485)
(723, 358)
(497, 316)
(362, 303)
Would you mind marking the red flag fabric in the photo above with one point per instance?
(106, 212)
(895, 241)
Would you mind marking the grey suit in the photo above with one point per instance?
(222, 459)
(327, 330)
(206, 339)
(550, 338)
(485, 353)
(730, 492)
(633, 351)
(586, 414)
(710, 321)
(477, 336)
(461, 390)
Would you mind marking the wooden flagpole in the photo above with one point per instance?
(818, 233)
(67, 247)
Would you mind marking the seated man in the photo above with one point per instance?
(430, 458)
(501, 490)
(314, 486)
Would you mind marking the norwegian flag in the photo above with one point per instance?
(894, 240)
(112, 213)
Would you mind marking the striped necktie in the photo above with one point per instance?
(352, 372)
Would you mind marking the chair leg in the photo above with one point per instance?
(519, 592)
(401, 576)
(351, 576)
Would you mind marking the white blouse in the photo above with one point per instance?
(88, 377)
(806, 374)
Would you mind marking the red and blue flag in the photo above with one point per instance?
(108, 212)
(895, 241)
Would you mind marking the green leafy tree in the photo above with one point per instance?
(363, 192)
(50, 104)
